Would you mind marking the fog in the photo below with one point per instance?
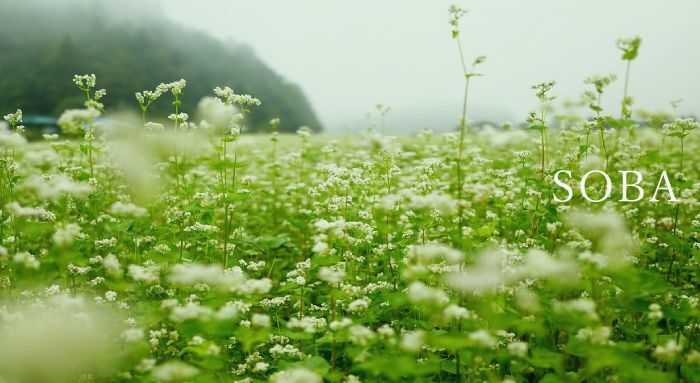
(349, 55)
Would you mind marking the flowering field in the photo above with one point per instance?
(135, 251)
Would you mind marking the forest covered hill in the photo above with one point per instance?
(130, 48)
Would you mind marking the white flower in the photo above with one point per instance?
(668, 351)
(359, 304)
(111, 264)
(296, 375)
(85, 81)
(327, 274)
(600, 335)
(132, 334)
(12, 140)
(413, 341)
(65, 235)
(518, 348)
(454, 312)
(27, 260)
(421, 294)
(55, 186)
(14, 118)
(127, 209)
(433, 252)
(73, 121)
(483, 338)
(111, 296)
(360, 335)
(195, 273)
(580, 306)
(148, 274)
(174, 371)
(260, 320)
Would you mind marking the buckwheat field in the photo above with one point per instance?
(142, 249)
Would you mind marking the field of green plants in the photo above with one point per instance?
(140, 251)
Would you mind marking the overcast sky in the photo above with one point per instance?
(348, 55)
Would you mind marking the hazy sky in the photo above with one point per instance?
(349, 54)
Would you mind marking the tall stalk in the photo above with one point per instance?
(630, 50)
(456, 14)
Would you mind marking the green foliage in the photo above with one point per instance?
(129, 56)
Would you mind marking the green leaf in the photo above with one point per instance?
(538, 127)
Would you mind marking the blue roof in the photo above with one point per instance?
(39, 120)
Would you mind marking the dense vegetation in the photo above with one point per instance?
(193, 252)
(42, 45)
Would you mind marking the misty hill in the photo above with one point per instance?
(130, 48)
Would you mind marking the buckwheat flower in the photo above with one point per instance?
(27, 260)
(195, 273)
(484, 277)
(295, 375)
(518, 349)
(580, 306)
(55, 186)
(14, 118)
(225, 94)
(629, 47)
(111, 265)
(147, 274)
(174, 371)
(64, 236)
(20, 211)
(309, 325)
(361, 335)
(260, 320)
(174, 87)
(131, 335)
(73, 121)
(600, 82)
(255, 286)
(127, 209)
(693, 357)
(539, 264)
(454, 312)
(420, 294)
(483, 338)
(154, 127)
(359, 304)
(85, 82)
(413, 341)
(304, 133)
(331, 276)
(191, 310)
(542, 89)
(433, 252)
(277, 351)
(105, 243)
(600, 335)
(178, 117)
(245, 100)
(12, 140)
(655, 312)
(668, 351)
(340, 324)
(680, 128)
(260, 367)
(455, 13)
(441, 202)
(111, 296)
(608, 232)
